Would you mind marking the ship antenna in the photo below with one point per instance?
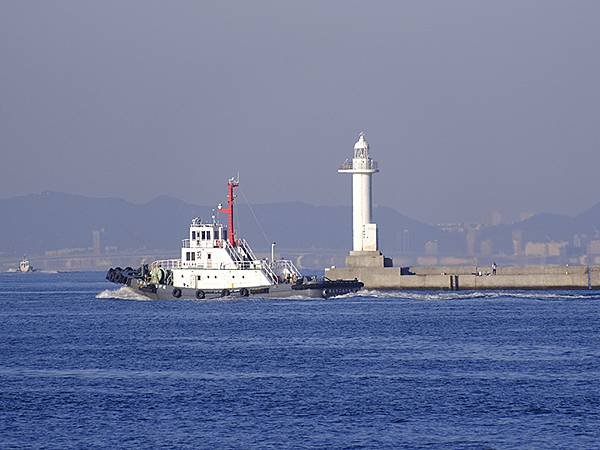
(262, 230)
(231, 185)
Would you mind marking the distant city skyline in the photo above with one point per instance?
(469, 107)
(89, 233)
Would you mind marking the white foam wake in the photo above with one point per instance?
(123, 293)
(415, 295)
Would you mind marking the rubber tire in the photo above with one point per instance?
(225, 292)
(244, 292)
(200, 294)
(176, 292)
(325, 293)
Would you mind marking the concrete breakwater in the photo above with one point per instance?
(472, 278)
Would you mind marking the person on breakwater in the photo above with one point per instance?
(494, 267)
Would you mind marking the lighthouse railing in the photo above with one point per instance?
(346, 165)
(369, 164)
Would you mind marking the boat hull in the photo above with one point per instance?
(306, 288)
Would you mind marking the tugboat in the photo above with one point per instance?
(25, 266)
(215, 263)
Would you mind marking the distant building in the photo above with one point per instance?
(517, 240)
(525, 215)
(427, 261)
(486, 248)
(471, 241)
(556, 248)
(404, 237)
(495, 218)
(97, 242)
(536, 249)
(452, 227)
(431, 248)
(593, 247)
(544, 249)
(65, 252)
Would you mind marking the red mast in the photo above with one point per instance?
(231, 184)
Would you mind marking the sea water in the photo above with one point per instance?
(86, 364)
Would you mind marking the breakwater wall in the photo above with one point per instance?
(472, 278)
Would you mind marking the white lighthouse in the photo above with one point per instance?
(365, 246)
(362, 167)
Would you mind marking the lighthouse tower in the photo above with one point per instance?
(365, 247)
(362, 167)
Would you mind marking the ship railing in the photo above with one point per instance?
(232, 252)
(167, 264)
(234, 265)
(246, 248)
(249, 265)
(285, 267)
(243, 256)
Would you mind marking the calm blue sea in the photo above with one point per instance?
(79, 368)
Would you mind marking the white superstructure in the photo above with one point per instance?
(212, 258)
(25, 266)
(362, 167)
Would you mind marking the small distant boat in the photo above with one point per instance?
(25, 266)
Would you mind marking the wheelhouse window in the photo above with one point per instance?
(208, 235)
(203, 235)
(193, 235)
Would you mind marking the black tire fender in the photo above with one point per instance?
(244, 292)
(176, 292)
(225, 292)
(325, 293)
(200, 294)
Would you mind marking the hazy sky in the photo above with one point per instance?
(469, 106)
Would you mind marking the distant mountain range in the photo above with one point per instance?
(38, 222)
(35, 223)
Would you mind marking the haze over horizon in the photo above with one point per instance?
(468, 106)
